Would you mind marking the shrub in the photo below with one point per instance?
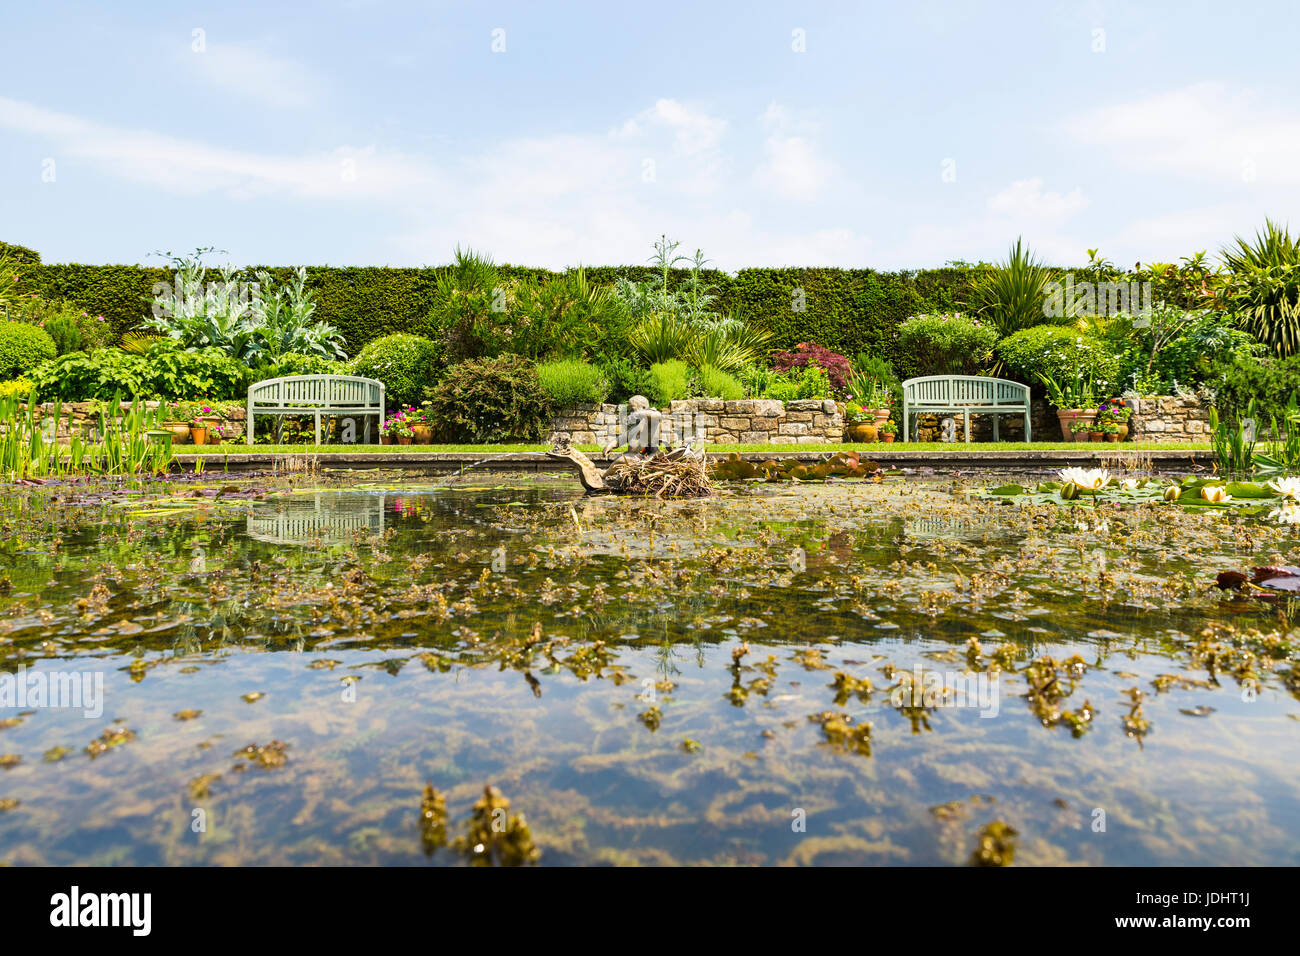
(296, 363)
(836, 366)
(626, 378)
(668, 382)
(1062, 353)
(810, 381)
(570, 381)
(19, 388)
(406, 364)
(715, 383)
(72, 328)
(164, 373)
(490, 400)
(1269, 382)
(947, 343)
(23, 347)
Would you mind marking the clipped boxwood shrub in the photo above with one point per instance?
(406, 364)
(1060, 352)
(947, 343)
(23, 347)
(490, 401)
(570, 381)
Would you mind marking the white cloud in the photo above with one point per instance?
(552, 200)
(184, 166)
(793, 168)
(1024, 201)
(1201, 132)
(255, 74)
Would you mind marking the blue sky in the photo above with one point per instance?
(900, 135)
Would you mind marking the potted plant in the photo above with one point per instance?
(888, 431)
(860, 423)
(421, 427)
(1073, 399)
(1095, 433)
(1079, 430)
(397, 429)
(177, 421)
(207, 415)
(1110, 431)
(1117, 412)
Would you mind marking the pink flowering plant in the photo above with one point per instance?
(1114, 411)
(398, 424)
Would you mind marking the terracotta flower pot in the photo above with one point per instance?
(180, 432)
(1095, 436)
(882, 415)
(404, 439)
(862, 432)
(1123, 432)
(1068, 416)
(887, 437)
(385, 440)
(1112, 436)
(199, 434)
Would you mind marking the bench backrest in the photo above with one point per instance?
(319, 391)
(962, 390)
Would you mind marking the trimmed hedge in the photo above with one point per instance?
(847, 310)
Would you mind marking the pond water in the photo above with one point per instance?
(754, 678)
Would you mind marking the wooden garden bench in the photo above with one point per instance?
(965, 394)
(317, 395)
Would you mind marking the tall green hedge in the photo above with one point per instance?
(848, 310)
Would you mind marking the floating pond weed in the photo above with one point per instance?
(493, 640)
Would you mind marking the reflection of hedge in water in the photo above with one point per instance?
(839, 465)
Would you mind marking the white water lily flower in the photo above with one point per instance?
(1090, 479)
(1288, 513)
(1130, 484)
(1286, 487)
(1215, 493)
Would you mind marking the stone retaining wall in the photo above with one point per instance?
(712, 421)
(1164, 418)
(1169, 418)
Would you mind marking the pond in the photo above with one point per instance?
(855, 672)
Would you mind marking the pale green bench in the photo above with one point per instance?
(317, 395)
(937, 394)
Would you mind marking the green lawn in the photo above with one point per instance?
(869, 449)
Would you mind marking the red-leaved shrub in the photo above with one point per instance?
(836, 366)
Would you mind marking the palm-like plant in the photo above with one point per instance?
(1264, 288)
(1010, 297)
(661, 336)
